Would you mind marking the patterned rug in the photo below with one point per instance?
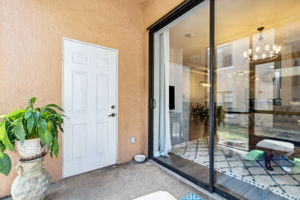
(231, 163)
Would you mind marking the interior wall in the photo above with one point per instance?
(31, 34)
(176, 76)
(198, 92)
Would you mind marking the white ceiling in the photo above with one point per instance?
(234, 19)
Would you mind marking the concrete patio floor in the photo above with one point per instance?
(125, 181)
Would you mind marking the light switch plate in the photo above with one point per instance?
(132, 139)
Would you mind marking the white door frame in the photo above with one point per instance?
(116, 95)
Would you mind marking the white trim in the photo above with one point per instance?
(90, 44)
(63, 106)
(117, 104)
(116, 95)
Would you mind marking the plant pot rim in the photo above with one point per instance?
(30, 161)
(31, 139)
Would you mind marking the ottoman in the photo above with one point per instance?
(271, 147)
(160, 195)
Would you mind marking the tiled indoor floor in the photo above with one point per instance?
(231, 163)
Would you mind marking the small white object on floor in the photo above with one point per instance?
(160, 195)
(140, 158)
(287, 169)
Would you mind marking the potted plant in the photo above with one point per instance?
(33, 131)
(202, 112)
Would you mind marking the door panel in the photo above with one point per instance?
(102, 137)
(90, 97)
(79, 137)
(79, 93)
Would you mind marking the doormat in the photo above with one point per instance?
(191, 196)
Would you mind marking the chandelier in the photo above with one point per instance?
(262, 51)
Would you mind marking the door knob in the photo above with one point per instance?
(112, 115)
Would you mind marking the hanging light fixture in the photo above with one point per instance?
(204, 84)
(262, 51)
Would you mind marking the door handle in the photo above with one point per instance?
(112, 115)
(153, 103)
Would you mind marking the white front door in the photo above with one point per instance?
(90, 103)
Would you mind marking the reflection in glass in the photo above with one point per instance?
(257, 140)
(181, 92)
(259, 91)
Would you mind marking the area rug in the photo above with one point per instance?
(232, 164)
(191, 196)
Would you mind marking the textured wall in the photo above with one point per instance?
(155, 9)
(30, 54)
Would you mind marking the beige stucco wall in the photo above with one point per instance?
(155, 9)
(30, 54)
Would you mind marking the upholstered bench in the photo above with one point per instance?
(157, 196)
(271, 147)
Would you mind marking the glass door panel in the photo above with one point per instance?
(257, 86)
(181, 94)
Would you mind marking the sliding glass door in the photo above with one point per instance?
(255, 153)
(181, 93)
(257, 84)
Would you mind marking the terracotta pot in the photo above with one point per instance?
(31, 149)
(32, 181)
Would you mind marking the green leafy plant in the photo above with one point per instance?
(30, 123)
(220, 114)
(202, 111)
